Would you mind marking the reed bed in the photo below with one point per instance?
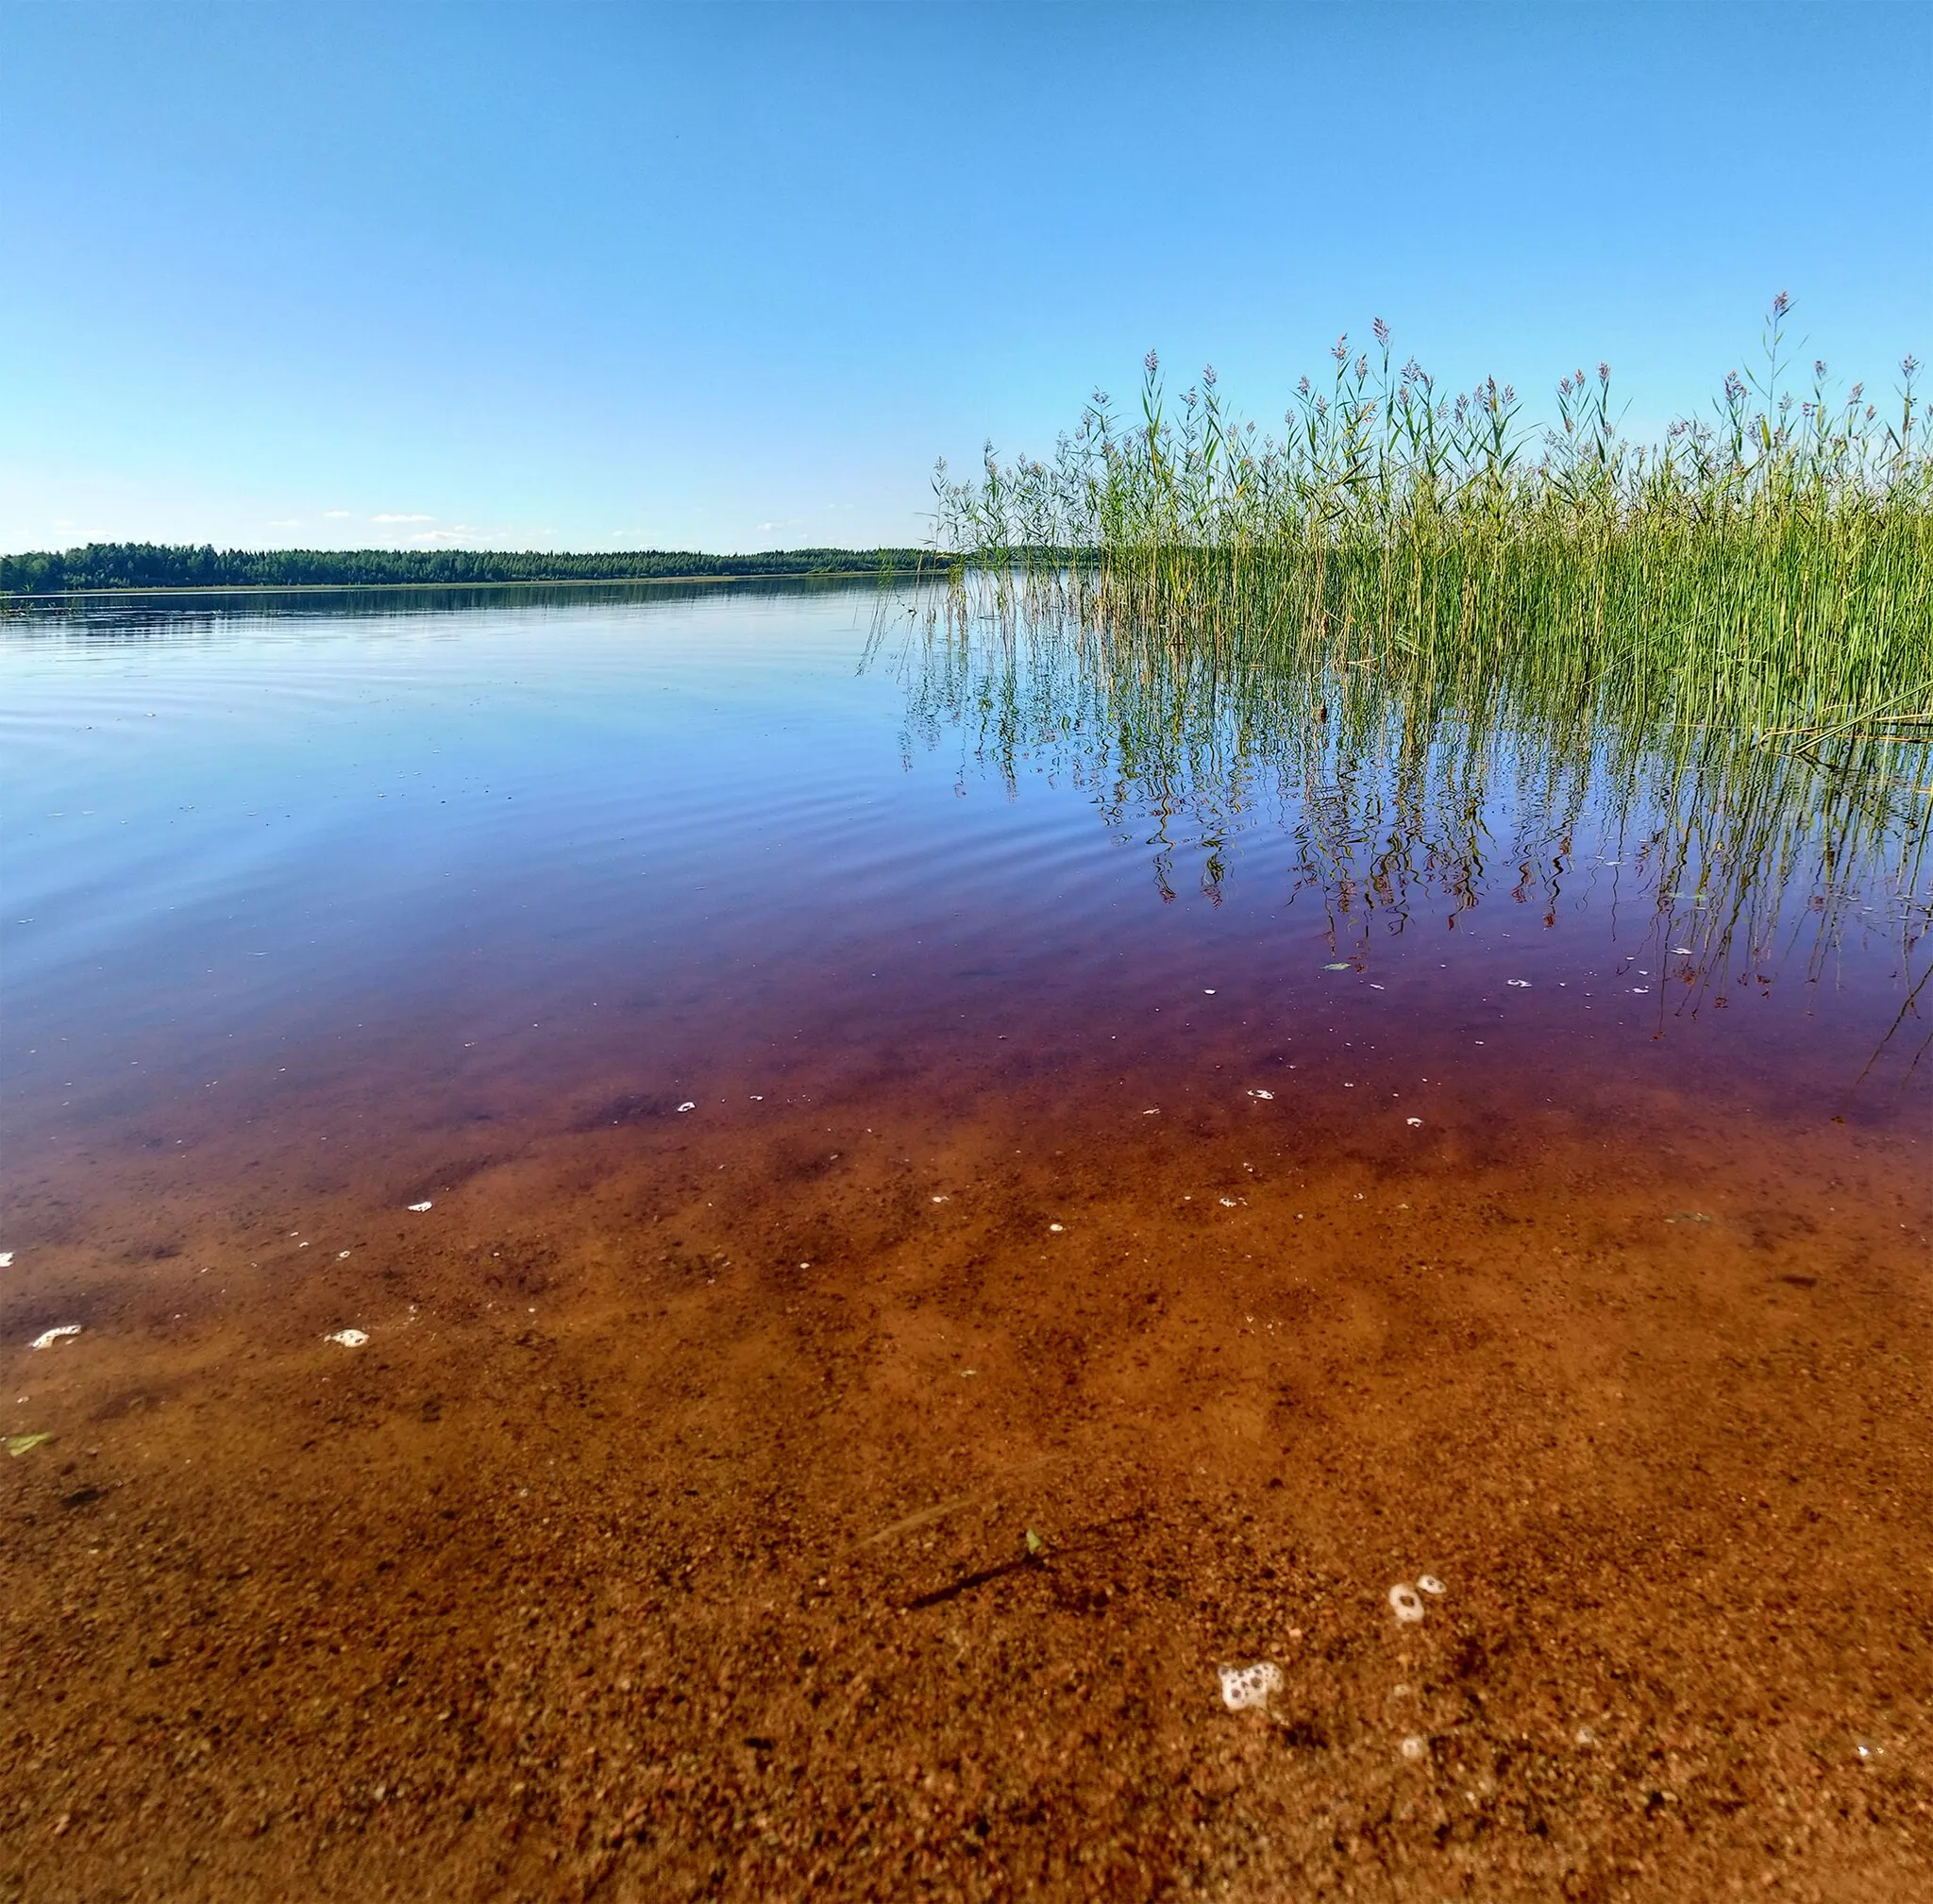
(1768, 568)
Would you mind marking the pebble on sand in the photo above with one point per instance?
(1245, 1686)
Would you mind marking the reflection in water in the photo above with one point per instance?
(1409, 785)
(132, 615)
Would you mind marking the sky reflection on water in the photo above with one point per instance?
(521, 850)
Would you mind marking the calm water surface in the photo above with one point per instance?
(976, 1175)
(499, 858)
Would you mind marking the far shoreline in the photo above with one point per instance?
(445, 587)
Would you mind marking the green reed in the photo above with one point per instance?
(1768, 567)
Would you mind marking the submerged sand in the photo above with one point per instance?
(852, 1487)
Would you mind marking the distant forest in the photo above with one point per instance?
(150, 564)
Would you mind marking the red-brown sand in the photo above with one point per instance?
(852, 1490)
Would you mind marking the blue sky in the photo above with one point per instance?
(731, 277)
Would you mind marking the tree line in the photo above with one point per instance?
(151, 565)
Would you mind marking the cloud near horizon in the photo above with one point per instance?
(390, 515)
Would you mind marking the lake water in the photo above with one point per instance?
(973, 1180)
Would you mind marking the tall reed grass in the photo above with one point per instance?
(1768, 567)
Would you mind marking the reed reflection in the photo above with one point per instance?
(1415, 783)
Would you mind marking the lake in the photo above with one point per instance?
(904, 1187)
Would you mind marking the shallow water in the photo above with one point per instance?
(881, 1092)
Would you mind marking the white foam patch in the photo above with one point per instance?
(423, 1205)
(6, 1259)
(49, 1336)
(1430, 1584)
(1245, 1686)
(1406, 1603)
(1415, 1747)
(350, 1339)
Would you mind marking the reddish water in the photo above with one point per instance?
(852, 1149)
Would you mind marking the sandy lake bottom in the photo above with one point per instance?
(941, 1237)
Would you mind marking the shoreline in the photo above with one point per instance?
(409, 587)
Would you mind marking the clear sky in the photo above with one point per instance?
(730, 276)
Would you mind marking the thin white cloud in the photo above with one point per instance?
(337, 514)
(392, 516)
(287, 522)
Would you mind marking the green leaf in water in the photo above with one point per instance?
(25, 1444)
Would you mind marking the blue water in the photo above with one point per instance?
(522, 854)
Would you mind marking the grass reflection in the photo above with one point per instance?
(1416, 781)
